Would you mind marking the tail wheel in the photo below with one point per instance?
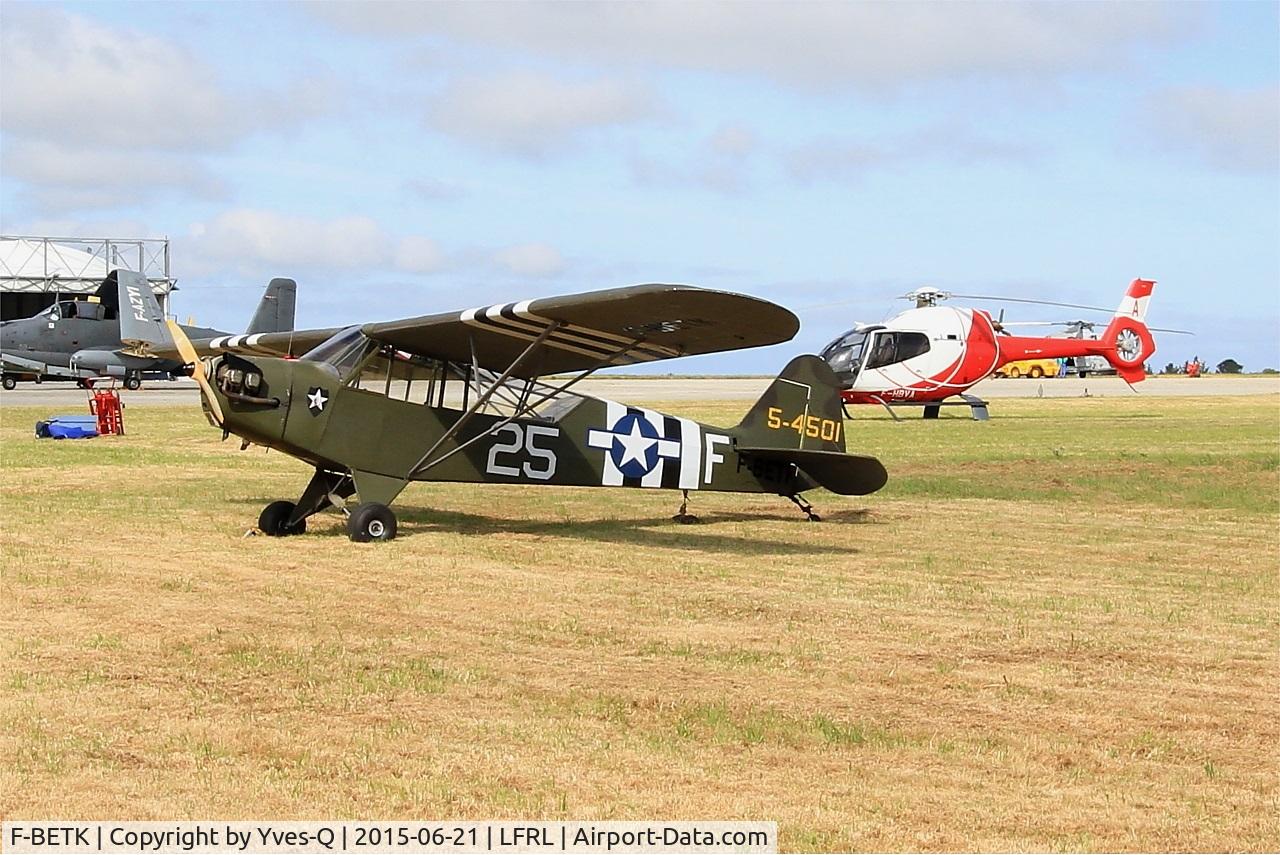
(274, 520)
(371, 521)
(1036, 372)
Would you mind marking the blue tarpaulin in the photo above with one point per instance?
(68, 427)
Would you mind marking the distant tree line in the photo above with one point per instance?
(1226, 366)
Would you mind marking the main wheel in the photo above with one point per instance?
(1036, 372)
(371, 521)
(132, 382)
(9, 382)
(274, 519)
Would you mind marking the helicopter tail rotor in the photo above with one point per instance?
(1127, 339)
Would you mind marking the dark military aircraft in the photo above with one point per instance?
(82, 338)
(483, 396)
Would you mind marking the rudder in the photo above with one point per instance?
(801, 409)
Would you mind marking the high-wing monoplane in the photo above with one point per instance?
(930, 353)
(84, 339)
(485, 395)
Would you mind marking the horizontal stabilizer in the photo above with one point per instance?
(846, 474)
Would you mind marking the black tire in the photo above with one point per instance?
(132, 383)
(1084, 374)
(371, 521)
(9, 382)
(272, 521)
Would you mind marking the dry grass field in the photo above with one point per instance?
(1057, 630)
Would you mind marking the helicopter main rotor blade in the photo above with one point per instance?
(1036, 302)
(1034, 323)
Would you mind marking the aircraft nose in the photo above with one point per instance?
(253, 395)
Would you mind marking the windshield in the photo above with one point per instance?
(845, 353)
(342, 350)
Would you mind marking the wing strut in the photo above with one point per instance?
(526, 407)
(482, 400)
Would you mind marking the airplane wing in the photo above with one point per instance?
(621, 326)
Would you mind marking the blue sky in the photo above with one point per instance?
(401, 159)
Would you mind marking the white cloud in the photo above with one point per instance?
(850, 158)
(812, 44)
(531, 259)
(1234, 129)
(61, 177)
(418, 254)
(67, 75)
(252, 240)
(531, 114)
(721, 163)
(247, 236)
(97, 116)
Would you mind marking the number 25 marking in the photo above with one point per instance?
(523, 437)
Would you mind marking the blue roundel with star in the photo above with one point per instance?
(635, 446)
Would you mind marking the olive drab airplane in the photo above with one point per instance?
(930, 353)
(83, 339)
(484, 396)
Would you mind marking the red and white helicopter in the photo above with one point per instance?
(930, 353)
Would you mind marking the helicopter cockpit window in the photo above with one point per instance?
(845, 353)
(891, 347)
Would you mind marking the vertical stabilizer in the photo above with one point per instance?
(800, 409)
(276, 308)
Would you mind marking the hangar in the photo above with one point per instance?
(35, 271)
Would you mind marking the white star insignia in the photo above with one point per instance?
(316, 400)
(635, 445)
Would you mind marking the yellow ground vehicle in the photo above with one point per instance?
(1029, 368)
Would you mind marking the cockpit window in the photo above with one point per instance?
(891, 347)
(844, 355)
(343, 350)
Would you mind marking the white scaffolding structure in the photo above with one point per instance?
(62, 265)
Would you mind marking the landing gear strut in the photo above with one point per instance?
(806, 508)
(280, 519)
(683, 516)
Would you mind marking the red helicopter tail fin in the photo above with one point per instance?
(1128, 341)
